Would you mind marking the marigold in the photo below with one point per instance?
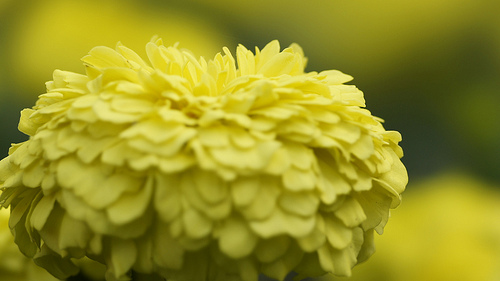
(201, 170)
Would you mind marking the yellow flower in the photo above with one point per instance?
(201, 170)
(448, 229)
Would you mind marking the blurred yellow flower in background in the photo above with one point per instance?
(201, 170)
(49, 34)
(448, 229)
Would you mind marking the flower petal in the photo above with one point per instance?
(120, 211)
(236, 239)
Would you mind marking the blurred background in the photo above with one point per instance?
(429, 68)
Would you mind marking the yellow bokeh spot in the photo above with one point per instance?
(54, 32)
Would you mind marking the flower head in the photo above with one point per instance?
(193, 169)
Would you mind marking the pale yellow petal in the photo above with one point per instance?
(350, 212)
(108, 190)
(281, 267)
(176, 163)
(196, 224)
(42, 211)
(264, 203)
(236, 239)
(154, 130)
(196, 201)
(376, 208)
(166, 148)
(299, 203)
(123, 256)
(299, 180)
(214, 136)
(335, 77)
(313, 240)
(244, 190)
(338, 235)
(167, 196)
(279, 223)
(344, 131)
(129, 105)
(73, 234)
(167, 252)
(33, 175)
(269, 250)
(363, 148)
(120, 212)
(282, 63)
(25, 124)
(255, 158)
(211, 187)
(267, 53)
(102, 57)
(105, 112)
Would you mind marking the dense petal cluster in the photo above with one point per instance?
(201, 170)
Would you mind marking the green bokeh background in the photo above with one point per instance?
(429, 68)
